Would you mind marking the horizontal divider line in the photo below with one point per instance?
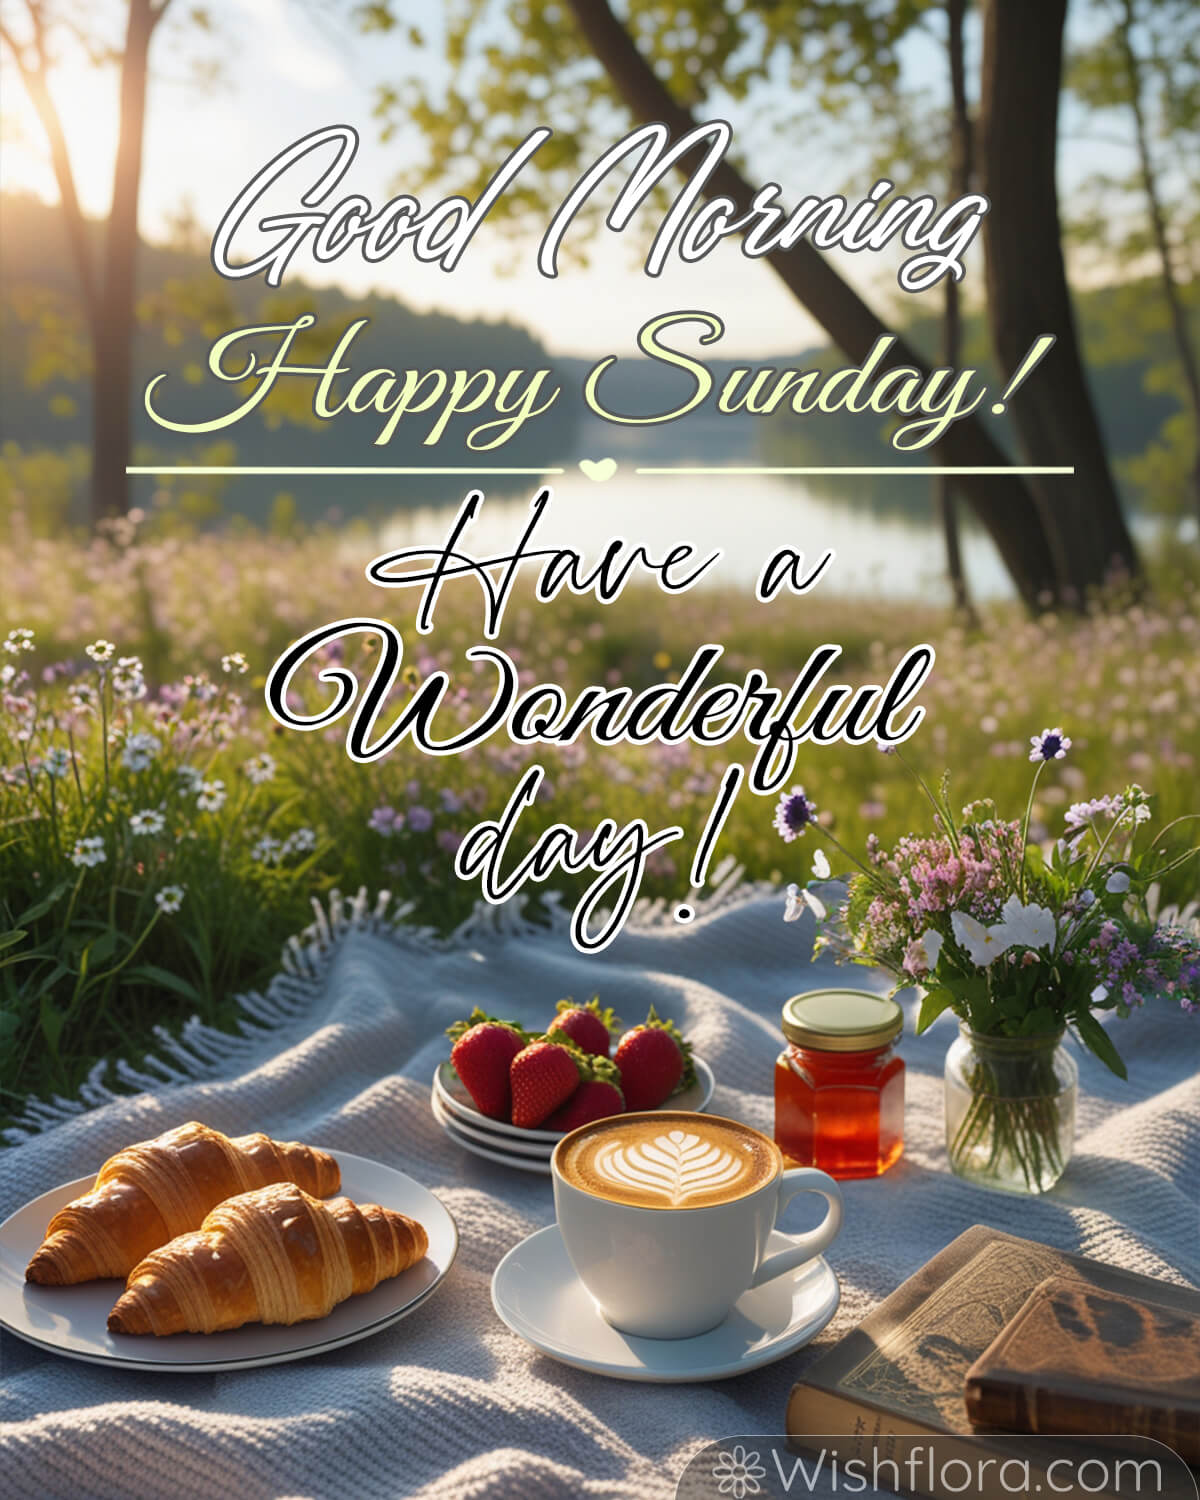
(894, 469)
(318, 469)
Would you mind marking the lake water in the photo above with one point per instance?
(891, 550)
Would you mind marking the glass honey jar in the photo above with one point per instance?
(839, 1085)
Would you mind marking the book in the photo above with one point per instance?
(901, 1373)
(1080, 1359)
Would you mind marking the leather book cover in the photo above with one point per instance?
(1081, 1359)
(902, 1371)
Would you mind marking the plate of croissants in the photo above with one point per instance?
(198, 1252)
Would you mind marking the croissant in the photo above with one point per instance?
(272, 1256)
(151, 1192)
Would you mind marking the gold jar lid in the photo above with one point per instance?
(841, 1020)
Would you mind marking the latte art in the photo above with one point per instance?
(669, 1161)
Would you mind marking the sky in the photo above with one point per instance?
(285, 72)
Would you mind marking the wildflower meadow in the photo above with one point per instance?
(163, 836)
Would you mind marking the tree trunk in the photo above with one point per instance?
(1158, 224)
(112, 374)
(960, 183)
(1002, 502)
(1028, 293)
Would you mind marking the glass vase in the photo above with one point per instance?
(1010, 1110)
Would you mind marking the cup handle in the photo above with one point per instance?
(803, 1247)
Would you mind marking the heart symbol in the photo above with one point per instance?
(598, 469)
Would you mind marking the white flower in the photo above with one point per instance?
(88, 852)
(794, 909)
(149, 820)
(82, 696)
(235, 662)
(932, 941)
(1098, 994)
(128, 678)
(56, 762)
(18, 640)
(1117, 883)
(981, 944)
(139, 751)
(100, 650)
(1028, 926)
(210, 796)
(192, 779)
(267, 851)
(7, 673)
(169, 899)
(820, 865)
(260, 768)
(300, 842)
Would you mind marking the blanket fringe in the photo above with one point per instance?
(201, 1051)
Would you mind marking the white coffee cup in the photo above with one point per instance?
(674, 1272)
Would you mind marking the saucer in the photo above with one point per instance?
(536, 1293)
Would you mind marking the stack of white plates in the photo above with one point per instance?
(511, 1145)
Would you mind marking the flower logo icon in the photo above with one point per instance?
(738, 1473)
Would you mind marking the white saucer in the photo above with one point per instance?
(451, 1093)
(536, 1293)
(71, 1320)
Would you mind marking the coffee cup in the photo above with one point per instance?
(666, 1216)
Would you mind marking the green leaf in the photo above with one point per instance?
(164, 979)
(52, 1023)
(11, 939)
(1097, 1040)
(933, 1003)
(40, 908)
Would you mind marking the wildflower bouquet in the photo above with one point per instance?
(1020, 943)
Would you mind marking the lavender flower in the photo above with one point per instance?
(793, 815)
(140, 750)
(385, 821)
(1051, 744)
(420, 819)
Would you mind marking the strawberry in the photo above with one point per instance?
(482, 1055)
(655, 1062)
(587, 1026)
(544, 1075)
(596, 1097)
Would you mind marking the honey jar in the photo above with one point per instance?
(839, 1085)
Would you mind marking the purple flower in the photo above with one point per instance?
(385, 821)
(1051, 744)
(793, 815)
(420, 819)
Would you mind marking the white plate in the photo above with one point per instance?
(536, 1293)
(453, 1125)
(71, 1320)
(455, 1099)
(499, 1152)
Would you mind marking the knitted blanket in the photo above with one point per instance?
(448, 1403)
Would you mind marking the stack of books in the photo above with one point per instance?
(999, 1335)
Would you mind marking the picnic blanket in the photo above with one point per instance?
(448, 1403)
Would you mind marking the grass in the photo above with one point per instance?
(100, 962)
